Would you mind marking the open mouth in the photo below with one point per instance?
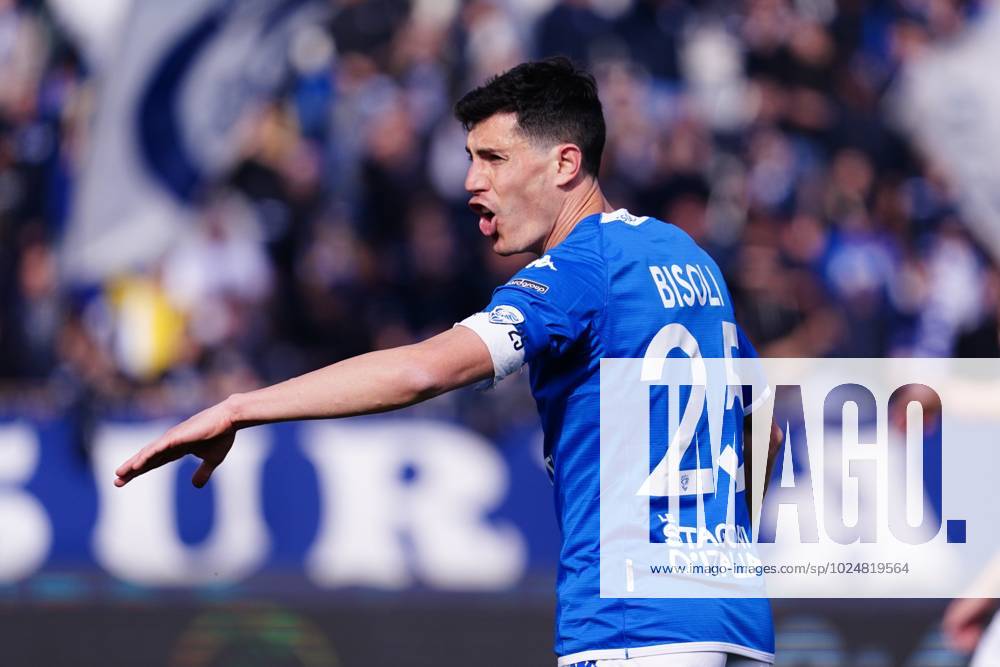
(487, 222)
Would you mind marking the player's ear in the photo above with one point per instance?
(569, 162)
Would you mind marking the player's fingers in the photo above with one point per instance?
(145, 461)
(966, 639)
(203, 473)
(149, 457)
(126, 471)
(126, 466)
(954, 617)
(134, 461)
(160, 457)
(153, 457)
(964, 612)
(123, 478)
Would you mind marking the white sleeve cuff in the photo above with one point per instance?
(502, 340)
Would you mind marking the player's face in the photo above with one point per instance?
(510, 179)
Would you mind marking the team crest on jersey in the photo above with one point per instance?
(506, 315)
(529, 284)
(543, 262)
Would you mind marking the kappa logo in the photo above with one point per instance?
(529, 284)
(543, 262)
(506, 315)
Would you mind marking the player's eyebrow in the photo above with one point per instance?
(486, 152)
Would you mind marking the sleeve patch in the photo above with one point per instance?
(506, 315)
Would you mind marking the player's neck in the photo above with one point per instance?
(576, 209)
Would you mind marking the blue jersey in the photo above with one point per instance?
(606, 291)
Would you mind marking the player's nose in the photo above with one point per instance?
(475, 180)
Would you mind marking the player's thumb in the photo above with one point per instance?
(203, 473)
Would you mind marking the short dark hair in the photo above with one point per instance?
(554, 102)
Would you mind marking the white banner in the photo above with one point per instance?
(949, 101)
(168, 121)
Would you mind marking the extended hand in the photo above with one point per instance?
(208, 435)
(966, 619)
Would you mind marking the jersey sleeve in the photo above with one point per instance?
(543, 310)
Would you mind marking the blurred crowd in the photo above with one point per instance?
(761, 128)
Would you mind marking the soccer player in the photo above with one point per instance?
(604, 284)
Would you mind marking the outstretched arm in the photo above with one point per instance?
(373, 382)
